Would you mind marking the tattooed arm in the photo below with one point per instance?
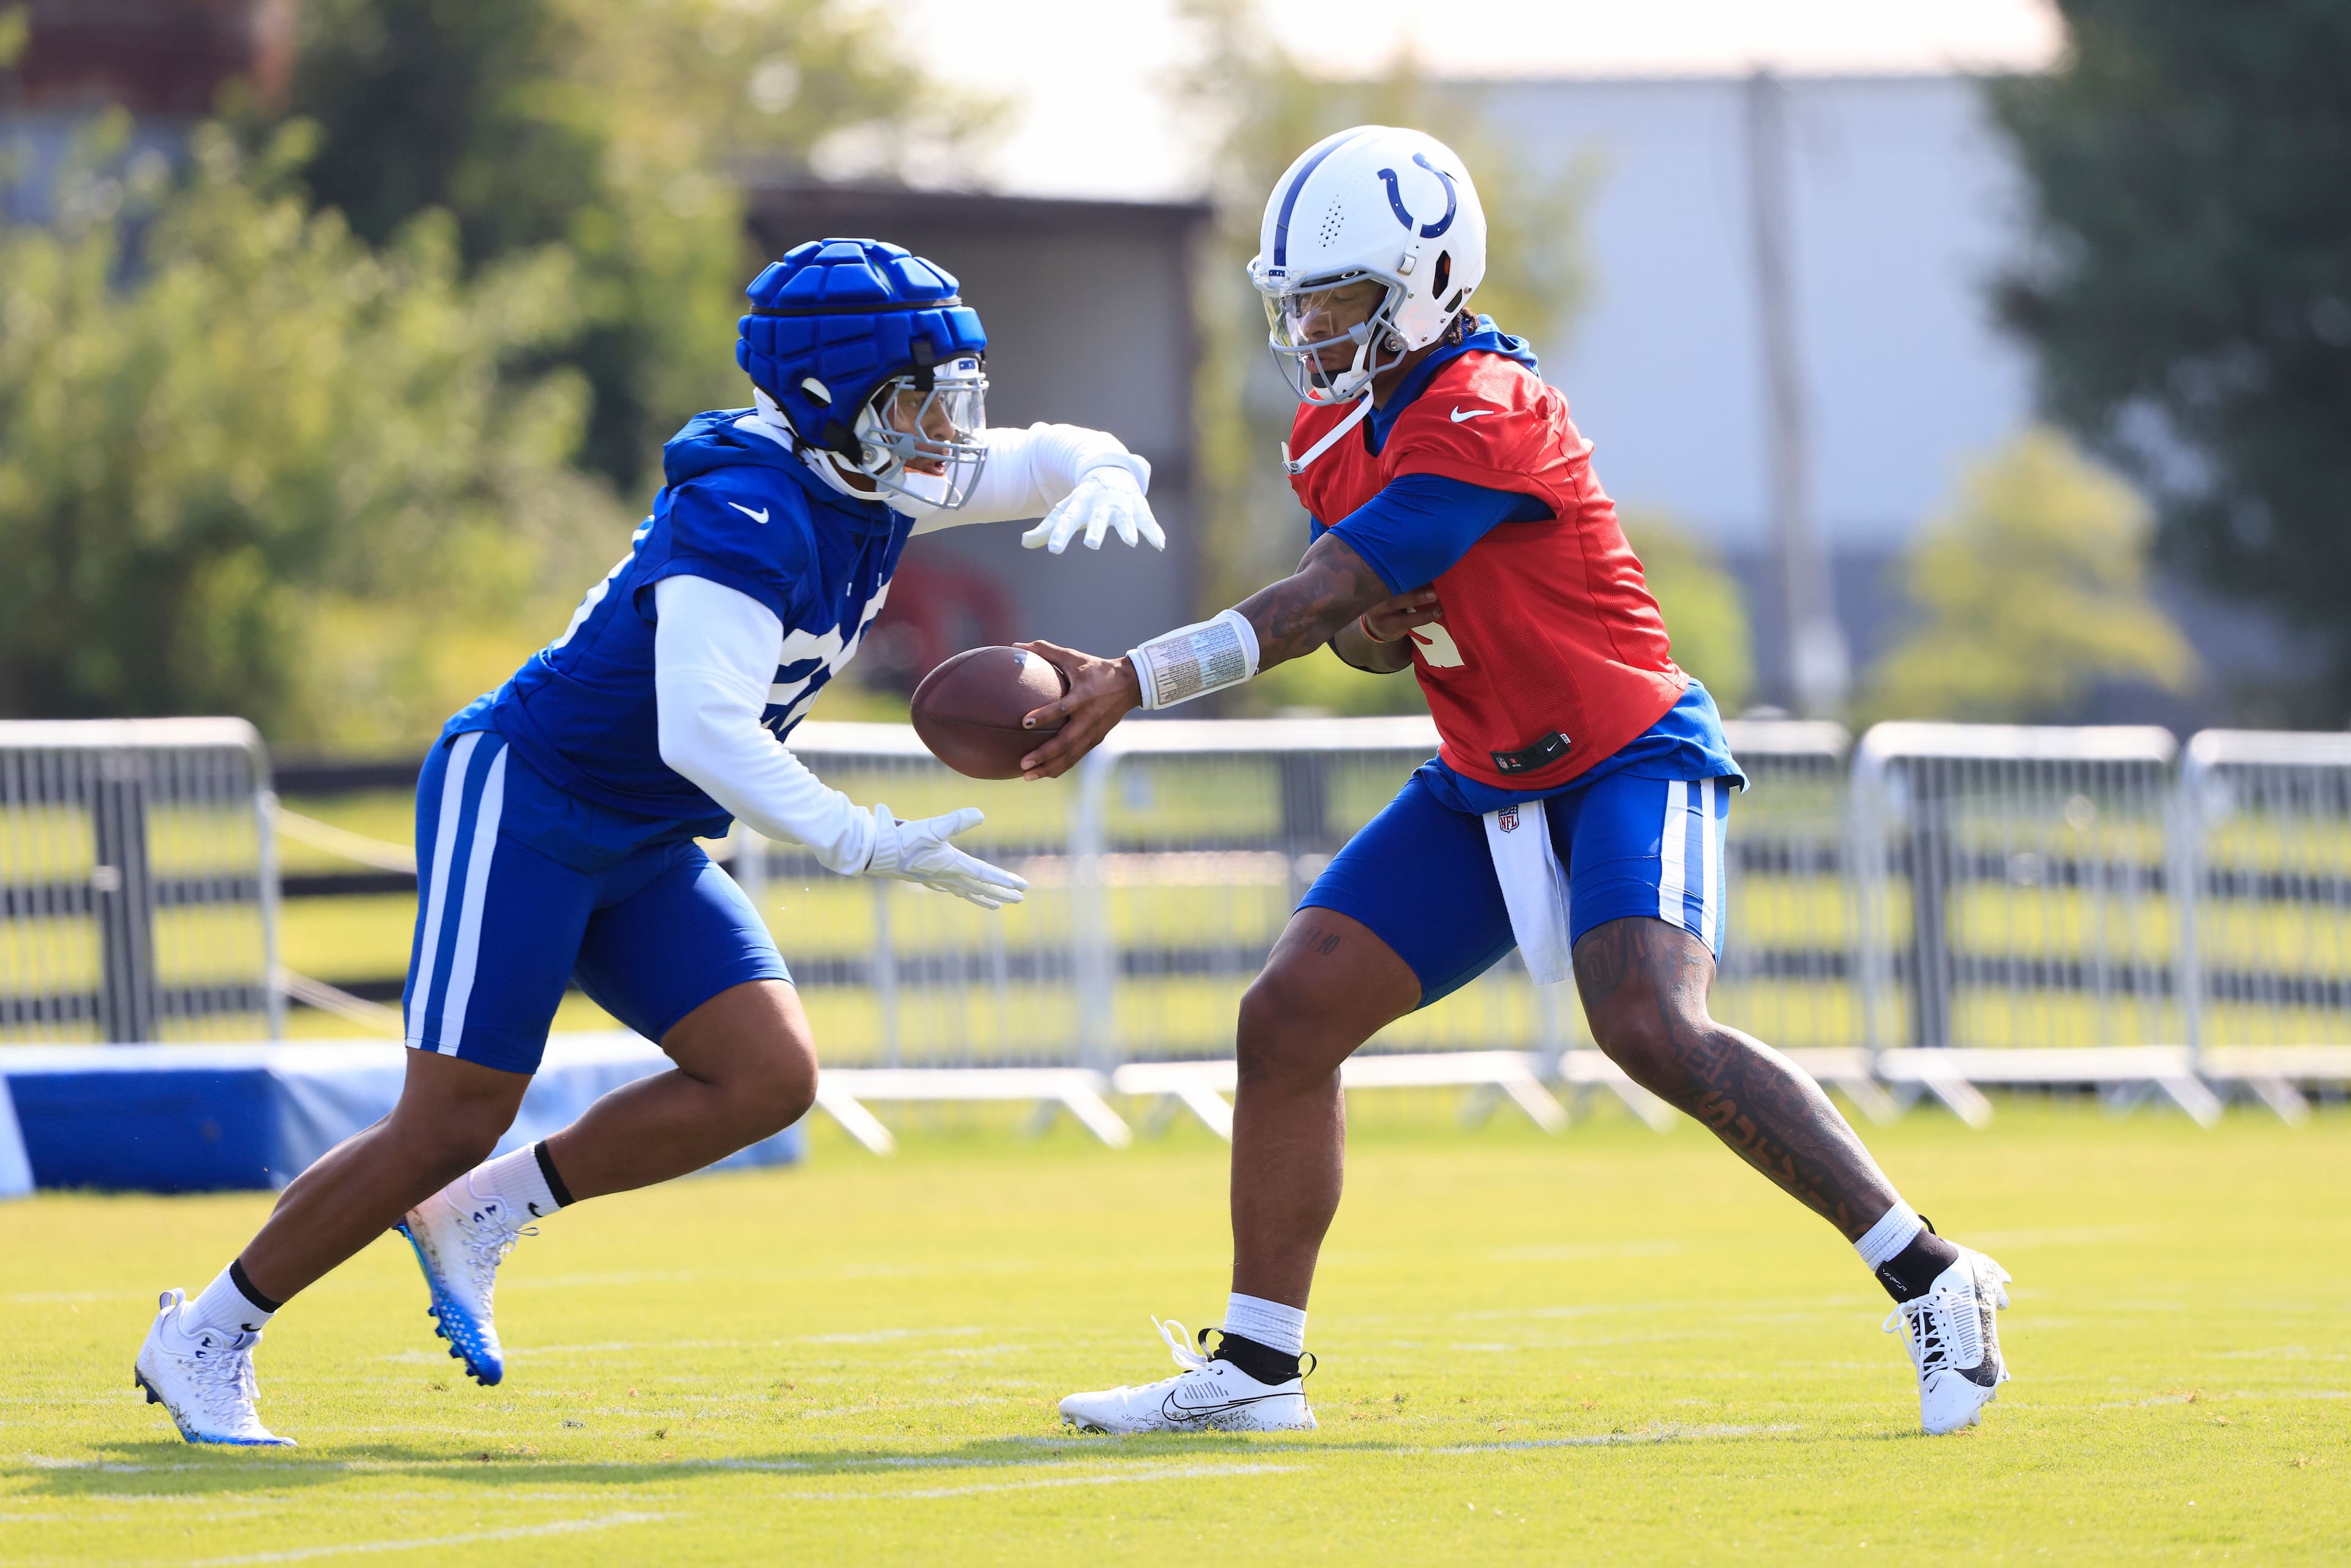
(1332, 587)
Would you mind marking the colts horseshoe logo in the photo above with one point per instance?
(1396, 198)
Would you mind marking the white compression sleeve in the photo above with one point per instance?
(1028, 473)
(714, 658)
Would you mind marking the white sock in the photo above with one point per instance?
(223, 1309)
(1270, 1323)
(1888, 1238)
(515, 1180)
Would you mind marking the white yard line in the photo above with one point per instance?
(1606, 1440)
(521, 1463)
(626, 1347)
(1670, 1434)
(518, 1532)
(1163, 1473)
(879, 1336)
(1138, 1469)
(120, 1467)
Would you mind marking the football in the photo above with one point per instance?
(969, 710)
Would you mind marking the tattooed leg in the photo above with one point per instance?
(1328, 986)
(1644, 985)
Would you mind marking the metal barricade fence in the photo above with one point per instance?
(1961, 904)
(1787, 974)
(894, 975)
(2014, 921)
(2260, 877)
(2011, 883)
(1192, 841)
(138, 882)
(1161, 870)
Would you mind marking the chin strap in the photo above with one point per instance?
(1297, 465)
(771, 422)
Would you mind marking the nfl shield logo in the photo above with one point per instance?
(1509, 817)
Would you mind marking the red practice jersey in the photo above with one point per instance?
(1552, 655)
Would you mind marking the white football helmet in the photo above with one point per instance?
(1374, 206)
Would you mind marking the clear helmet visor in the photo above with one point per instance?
(1331, 338)
(927, 443)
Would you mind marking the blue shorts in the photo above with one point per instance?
(521, 889)
(1420, 876)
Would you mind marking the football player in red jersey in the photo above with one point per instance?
(1576, 807)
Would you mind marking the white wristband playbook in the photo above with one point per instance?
(1193, 661)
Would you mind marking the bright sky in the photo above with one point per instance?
(1089, 74)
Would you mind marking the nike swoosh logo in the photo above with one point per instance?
(1174, 1410)
(1461, 414)
(758, 516)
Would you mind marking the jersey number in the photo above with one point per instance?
(1437, 649)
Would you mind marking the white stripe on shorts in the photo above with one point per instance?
(469, 917)
(444, 847)
(1709, 880)
(1673, 844)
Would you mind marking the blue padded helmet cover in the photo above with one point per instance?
(846, 315)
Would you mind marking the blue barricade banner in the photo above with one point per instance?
(206, 1118)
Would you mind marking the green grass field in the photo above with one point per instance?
(1606, 1347)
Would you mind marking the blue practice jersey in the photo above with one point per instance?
(741, 509)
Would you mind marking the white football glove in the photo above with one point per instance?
(919, 852)
(1105, 498)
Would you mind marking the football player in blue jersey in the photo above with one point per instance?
(557, 817)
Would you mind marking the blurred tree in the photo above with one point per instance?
(275, 472)
(1319, 684)
(2029, 591)
(612, 127)
(1271, 108)
(2190, 300)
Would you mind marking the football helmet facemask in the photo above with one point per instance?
(923, 435)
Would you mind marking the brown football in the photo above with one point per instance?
(969, 710)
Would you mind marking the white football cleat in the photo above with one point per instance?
(204, 1377)
(459, 1245)
(1955, 1343)
(1208, 1395)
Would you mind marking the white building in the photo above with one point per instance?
(1903, 203)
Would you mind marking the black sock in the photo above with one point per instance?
(245, 1287)
(554, 1177)
(1907, 1275)
(1261, 1362)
